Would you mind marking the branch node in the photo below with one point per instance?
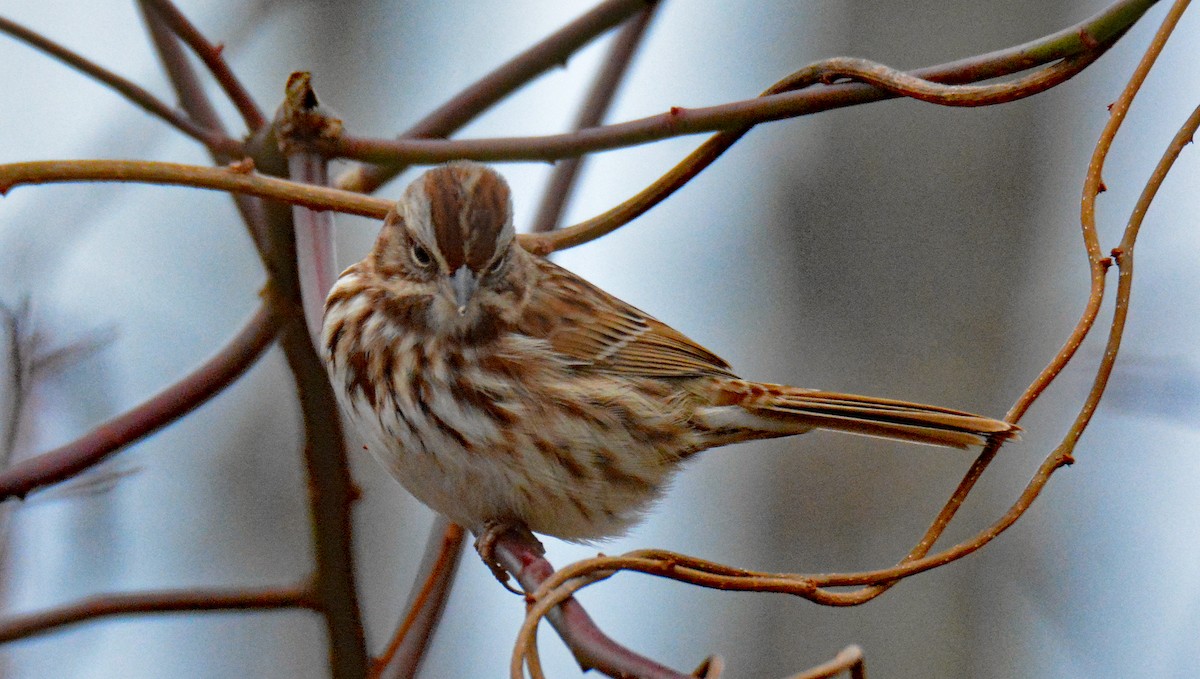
(301, 117)
(243, 166)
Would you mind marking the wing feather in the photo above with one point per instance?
(597, 331)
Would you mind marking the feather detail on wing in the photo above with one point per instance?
(776, 410)
(597, 331)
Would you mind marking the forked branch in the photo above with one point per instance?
(560, 586)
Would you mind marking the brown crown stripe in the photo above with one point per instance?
(485, 218)
(468, 208)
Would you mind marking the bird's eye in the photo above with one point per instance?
(420, 255)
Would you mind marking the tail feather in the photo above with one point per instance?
(769, 410)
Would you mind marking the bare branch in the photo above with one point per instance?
(521, 555)
(212, 57)
(1123, 254)
(184, 601)
(196, 102)
(331, 489)
(404, 653)
(480, 96)
(561, 585)
(234, 179)
(187, 86)
(160, 410)
(1082, 38)
(849, 659)
(882, 76)
(591, 114)
(137, 95)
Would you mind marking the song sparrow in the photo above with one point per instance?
(501, 389)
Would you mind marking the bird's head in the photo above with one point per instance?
(447, 249)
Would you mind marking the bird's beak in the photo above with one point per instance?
(465, 283)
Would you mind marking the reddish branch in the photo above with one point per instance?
(560, 586)
(521, 555)
(137, 95)
(212, 57)
(404, 653)
(591, 113)
(160, 410)
(197, 105)
(184, 601)
(886, 79)
(316, 260)
(484, 93)
(850, 660)
(331, 489)
(1085, 37)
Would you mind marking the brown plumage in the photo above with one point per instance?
(500, 388)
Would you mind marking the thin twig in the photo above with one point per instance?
(882, 77)
(183, 78)
(195, 101)
(160, 410)
(212, 56)
(565, 582)
(1100, 29)
(1093, 185)
(137, 95)
(234, 179)
(595, 107)
(478, 97)
(184, 601)
(404, 653)
(849, 659)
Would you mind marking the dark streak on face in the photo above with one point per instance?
(467, 218)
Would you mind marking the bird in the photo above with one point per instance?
(504, 391)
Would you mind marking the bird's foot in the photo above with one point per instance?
(485, 544)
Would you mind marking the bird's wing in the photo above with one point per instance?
(597, 331)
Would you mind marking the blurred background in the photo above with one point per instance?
(896, 249)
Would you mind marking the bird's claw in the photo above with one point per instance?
(485, 544)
